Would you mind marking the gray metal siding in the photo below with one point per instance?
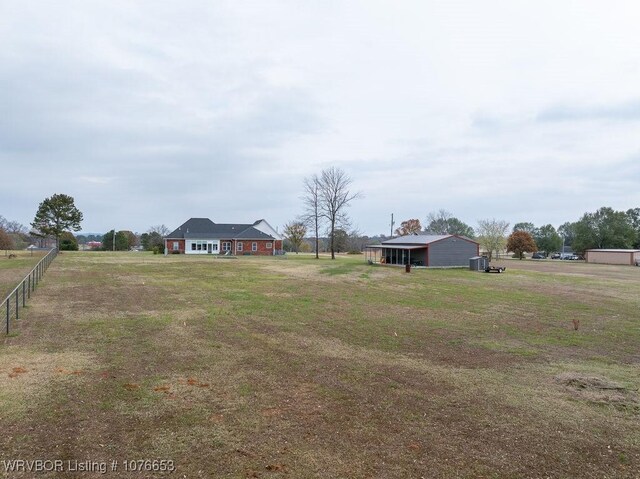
(451, 252)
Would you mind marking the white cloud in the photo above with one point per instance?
(97, 180)
(501, 109)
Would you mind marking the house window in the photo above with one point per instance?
(200, 245)
(176, 246)
(214, 247)
(269, 245)
(226, 246)
(239, 246)
(254, 246)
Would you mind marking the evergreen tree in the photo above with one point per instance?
(56, 215)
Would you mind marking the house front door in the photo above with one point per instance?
(209, 248)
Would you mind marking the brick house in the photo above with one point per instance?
(203, 236)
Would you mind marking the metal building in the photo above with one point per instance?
(424, 250)
(613, 256)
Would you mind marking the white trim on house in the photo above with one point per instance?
(266, 228)
(202, 247)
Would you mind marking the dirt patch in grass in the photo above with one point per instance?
(599, 390)
(25, 376)
(133, 298)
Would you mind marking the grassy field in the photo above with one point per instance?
(13, 269)
(294, 367)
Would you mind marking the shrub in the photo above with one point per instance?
(5, 240)
(68, 242)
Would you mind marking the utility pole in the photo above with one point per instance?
(392, 224)
(114, 239)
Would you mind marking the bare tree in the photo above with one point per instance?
(153, 239)
(295, 231)
(12, 227)
(492, 235)
(162, 230)
(312, 215)
(6, 242)
(356, 241)
(335, 198)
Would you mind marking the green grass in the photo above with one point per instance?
(320, 368)
(14, 269)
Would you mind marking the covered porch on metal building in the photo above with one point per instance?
(397, 255)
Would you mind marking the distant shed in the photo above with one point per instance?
(612, 256)
(478, 263)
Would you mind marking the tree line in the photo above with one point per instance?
(58, 217)
(326, 198)
(605, 228)
(124, 240)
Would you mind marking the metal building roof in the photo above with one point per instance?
(615, 250)
(422, 239)
(396, 246)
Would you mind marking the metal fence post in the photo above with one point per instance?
(28, 285)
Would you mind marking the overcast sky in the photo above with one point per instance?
(152, 112)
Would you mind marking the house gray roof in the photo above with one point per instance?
(253, 233)
(194, 226)
(204, 228)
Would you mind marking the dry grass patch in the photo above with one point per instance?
(13, 269)
(26, 376)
